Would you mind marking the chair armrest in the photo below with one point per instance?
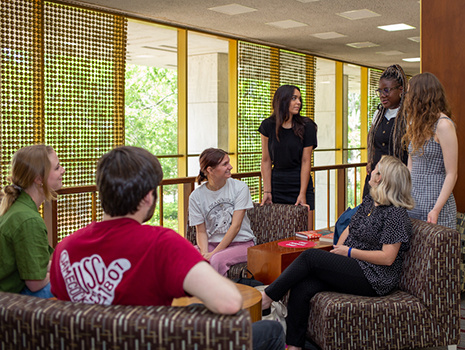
(431, 269)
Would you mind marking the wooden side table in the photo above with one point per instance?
(252, 301)
(267, 261)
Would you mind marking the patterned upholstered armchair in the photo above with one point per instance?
(32, 323)
(424, 312)
(269, 223)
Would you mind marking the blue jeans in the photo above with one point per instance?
(44, 293)
(268, 335)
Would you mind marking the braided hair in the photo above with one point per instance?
(394, 72)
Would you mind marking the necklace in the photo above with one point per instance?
(371, 211)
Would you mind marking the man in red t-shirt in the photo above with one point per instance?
(121, 261)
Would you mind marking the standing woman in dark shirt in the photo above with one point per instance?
(388, 127)
(367, 259)
(288, 140)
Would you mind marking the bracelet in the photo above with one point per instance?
(266, 191)
(348, 253)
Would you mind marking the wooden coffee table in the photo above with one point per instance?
(267, 261)
(252, 301)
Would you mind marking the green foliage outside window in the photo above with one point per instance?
(151, 123)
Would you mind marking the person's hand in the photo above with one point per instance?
(301, 200)
(266, 198)
(433, 217)
(207, 256)
(340, 250)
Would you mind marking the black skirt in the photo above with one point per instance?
(285, 187)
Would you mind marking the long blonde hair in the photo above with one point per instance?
(424, 103)
(27, 164)
(395, 186)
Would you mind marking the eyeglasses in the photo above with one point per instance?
(385, 91)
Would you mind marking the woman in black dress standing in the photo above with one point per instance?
(388, 127)
(288, 140)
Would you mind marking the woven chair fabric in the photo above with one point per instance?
(33, 323)
(425, 312)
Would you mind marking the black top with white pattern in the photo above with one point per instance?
(370, 228)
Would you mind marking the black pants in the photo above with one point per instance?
(315, 271)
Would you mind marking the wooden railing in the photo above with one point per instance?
(188, 184)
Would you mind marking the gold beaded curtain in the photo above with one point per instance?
(261, 70)
(63, 85)
(373, 100)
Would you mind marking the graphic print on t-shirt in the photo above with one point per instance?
(90, 280)
(219, 216)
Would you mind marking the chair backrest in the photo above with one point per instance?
(276, 221)
(271, 222)
(431, 270)
(34, 323)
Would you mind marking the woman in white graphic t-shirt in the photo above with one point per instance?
(217, 209)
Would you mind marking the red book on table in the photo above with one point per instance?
(308, 235)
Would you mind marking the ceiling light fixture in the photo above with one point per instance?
(390, 53)
(396, 27)
(328, 35)
(415, 39)
(413, 59)
(287, 24)
(232, 9)
(358, 14)
(362, 45)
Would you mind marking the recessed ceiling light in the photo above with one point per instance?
(289, 23)
(362, 45)
(396, 27)
(328, 35)
(413, 59)
(325, 82)
(415, 38)
(390, 53)
(232, 9)
(358, 14)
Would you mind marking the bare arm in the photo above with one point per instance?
(385, 256)
(447, 138)
(343, 236)
(409, 163)
(36, 285)
(236, 223)
(305, 175)
(266, 170)
(202, 238)
(218, 293)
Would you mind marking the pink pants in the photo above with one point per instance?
(235, 253)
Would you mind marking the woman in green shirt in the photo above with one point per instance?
(35, 175)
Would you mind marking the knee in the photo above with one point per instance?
(216, 260)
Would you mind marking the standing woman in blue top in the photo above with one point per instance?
(36, 174)
(433, 151)
(288, 140)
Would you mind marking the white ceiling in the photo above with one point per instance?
(314, 16)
